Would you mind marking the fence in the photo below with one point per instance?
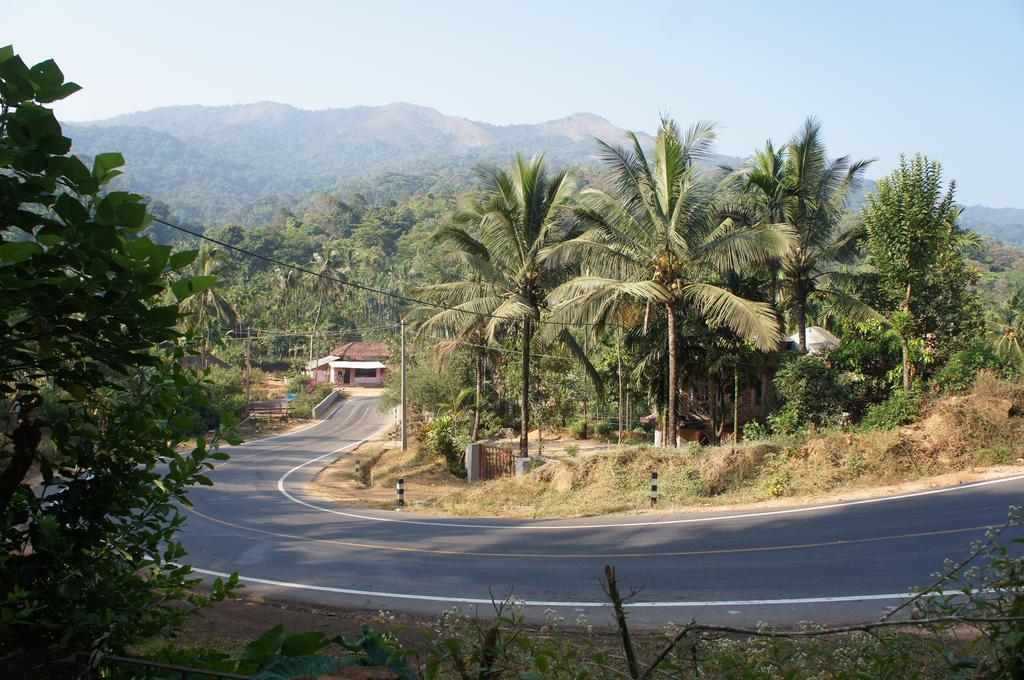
(496, 462)
(269, 409)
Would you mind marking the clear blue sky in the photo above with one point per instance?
(943, 78)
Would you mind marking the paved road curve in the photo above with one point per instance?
(828, 563)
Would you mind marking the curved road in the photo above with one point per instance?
(833, 563)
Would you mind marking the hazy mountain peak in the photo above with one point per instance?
(581, 127)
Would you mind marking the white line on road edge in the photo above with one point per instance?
(572, 603)
(535, 526)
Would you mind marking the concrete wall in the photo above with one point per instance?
(321, 409)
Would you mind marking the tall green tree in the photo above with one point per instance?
(651, 241)
(499, 245)
(798, 186)
(332, 264)
(1007, 322)
(911, 223)
(89, 555)
(209, 311)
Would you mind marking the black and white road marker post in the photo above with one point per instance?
(654, 488)
(400, 490)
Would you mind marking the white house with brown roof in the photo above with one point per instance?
(354, 363)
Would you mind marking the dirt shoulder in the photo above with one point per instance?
(429, 489)
(961, 440)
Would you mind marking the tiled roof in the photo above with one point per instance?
(362, 351)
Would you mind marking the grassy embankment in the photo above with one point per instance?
(957, 439)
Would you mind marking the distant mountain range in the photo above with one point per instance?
(209, 162)
(206, 161)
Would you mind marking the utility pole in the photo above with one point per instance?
(248, 362)
(405, 408)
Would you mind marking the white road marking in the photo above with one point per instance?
(574, 603)
(301, 429)
(536, 526)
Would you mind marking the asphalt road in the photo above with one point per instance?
(831, 564)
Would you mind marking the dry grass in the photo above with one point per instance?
(953, 443)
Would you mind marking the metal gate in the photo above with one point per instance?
(496, 462)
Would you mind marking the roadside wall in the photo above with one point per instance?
(321, 409)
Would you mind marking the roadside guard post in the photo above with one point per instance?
(654, 488)
(400, 490)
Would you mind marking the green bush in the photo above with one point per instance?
(578, 429)
(901, 408)
(957, 375)
(302, 405)
(811, 393)
(603, 429)
(867, 356)
(439, 440)
(755, 430)
(225, 387)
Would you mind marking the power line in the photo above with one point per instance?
(353, 284)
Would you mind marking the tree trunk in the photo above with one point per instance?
(479, 388)
(524, 406)
(618, 352)
(905, 346)
(735, 404)
(801, 319)
(316, 321)
(673, 382)
(905, 341)
(713, 395)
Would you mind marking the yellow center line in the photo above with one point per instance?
(682, 553)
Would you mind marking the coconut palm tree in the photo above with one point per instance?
(652, 242)
(1007, 322)
(209, 309)
(498, 243)
(331, 264)
(798, 186)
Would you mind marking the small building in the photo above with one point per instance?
(354, 363)
(819, 341)
(319, 369)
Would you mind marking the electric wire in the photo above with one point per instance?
(360, 286)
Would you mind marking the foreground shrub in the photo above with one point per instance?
(302, 405)
(958, 374)
(603, 429)
(901, 408)
(89, 554)
(578, 429)
(439, 439)
(811, 393)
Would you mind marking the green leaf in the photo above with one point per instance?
(104, 163)
(265, 647)
(132, 215)
(19, 251)
(47, 74)
(182, 258)
(303, 644)
(70, 209)
(190, 286)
